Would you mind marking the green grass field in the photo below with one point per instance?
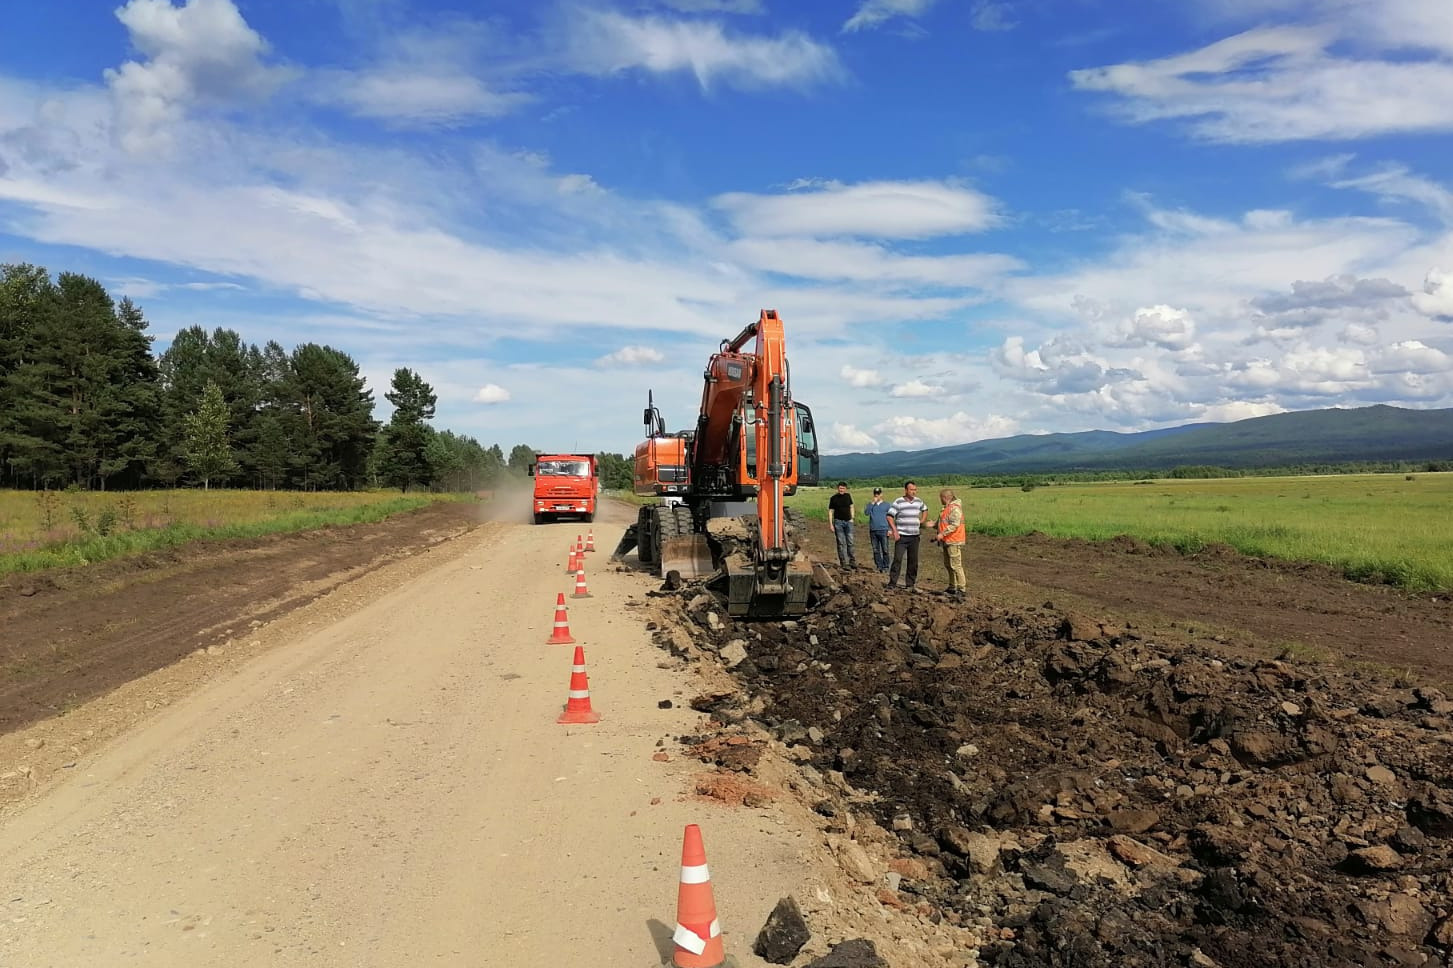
(51, 529)
(1374, 527)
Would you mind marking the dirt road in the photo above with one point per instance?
(377, 779)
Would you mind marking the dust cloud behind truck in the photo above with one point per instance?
(566, 485)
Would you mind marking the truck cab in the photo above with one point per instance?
(566, 485)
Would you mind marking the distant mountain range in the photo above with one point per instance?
(1377, 433)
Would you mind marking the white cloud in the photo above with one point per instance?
(1282, 83)
(917, 388)
(866, 262)
(1396, 182)
(1215, 266)
(843, 437)
(855, 377)
(901, 210)
(201, 52)
(491, 393)
(992, 15)
(1235, 410)
(872, 13)
(1411, 356)
(407, 97)
(1163, 326)
(1436, 299)
(603, 42)
(716, 6)
(905, 432)
(1360, 333)
(632, 356)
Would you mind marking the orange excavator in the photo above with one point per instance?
(752, 443)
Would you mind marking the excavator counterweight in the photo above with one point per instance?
(722, 484)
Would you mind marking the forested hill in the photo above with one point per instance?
(1378, 433)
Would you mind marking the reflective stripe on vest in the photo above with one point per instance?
(957, 535)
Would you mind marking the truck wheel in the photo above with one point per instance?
(590, 518)
(539, 518)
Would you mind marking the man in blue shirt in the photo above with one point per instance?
(877, 512)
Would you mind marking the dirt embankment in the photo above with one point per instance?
(1087, 792)
(74, 634)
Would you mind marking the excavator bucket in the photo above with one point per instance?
(690, 555)
(751, 593)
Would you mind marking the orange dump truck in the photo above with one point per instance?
(565, 485)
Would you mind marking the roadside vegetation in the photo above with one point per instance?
(49, 529)
(1380, 528)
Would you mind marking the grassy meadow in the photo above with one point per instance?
(1390, 528)
(49, 529)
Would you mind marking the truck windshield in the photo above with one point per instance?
(563, 468)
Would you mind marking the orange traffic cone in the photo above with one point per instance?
(580, 590)
(577, 707)
(590, 540)
(560, 635)
(576, 559)
(580, 544)
(698, 932)
(570, 561)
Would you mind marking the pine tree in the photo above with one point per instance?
(208, 451)
(406, 453)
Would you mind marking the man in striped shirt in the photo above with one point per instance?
(905, 520)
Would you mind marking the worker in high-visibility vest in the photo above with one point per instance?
(951, 534)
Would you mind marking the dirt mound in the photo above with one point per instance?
(1086, 796)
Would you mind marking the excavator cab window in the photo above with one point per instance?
(807, 470)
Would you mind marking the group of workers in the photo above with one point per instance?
(898, 524)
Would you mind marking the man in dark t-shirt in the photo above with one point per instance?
(840, 514)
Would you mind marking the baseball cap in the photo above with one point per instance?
(877, 490)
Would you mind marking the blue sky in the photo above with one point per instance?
(976, 217)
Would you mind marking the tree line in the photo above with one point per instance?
(85, 403)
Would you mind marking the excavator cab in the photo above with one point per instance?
(808, 469)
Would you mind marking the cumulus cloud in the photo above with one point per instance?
(1056, 367)
(201, 52)
(917, 388)
(1334, 292)
(1411, 356)
(1286, 316)
(1283, 83)
(855, 377)
(906, 432)
(1360, 333)
(491, 393)
(1315, 371)
(632, 356)
(1436, 299)
(1234, 410)
(902, 210)
(874, 13)
(1163, 326)
(844, 437)
(604, 42)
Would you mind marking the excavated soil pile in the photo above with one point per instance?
(1085, 796)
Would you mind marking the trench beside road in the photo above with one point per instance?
(386, 785)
